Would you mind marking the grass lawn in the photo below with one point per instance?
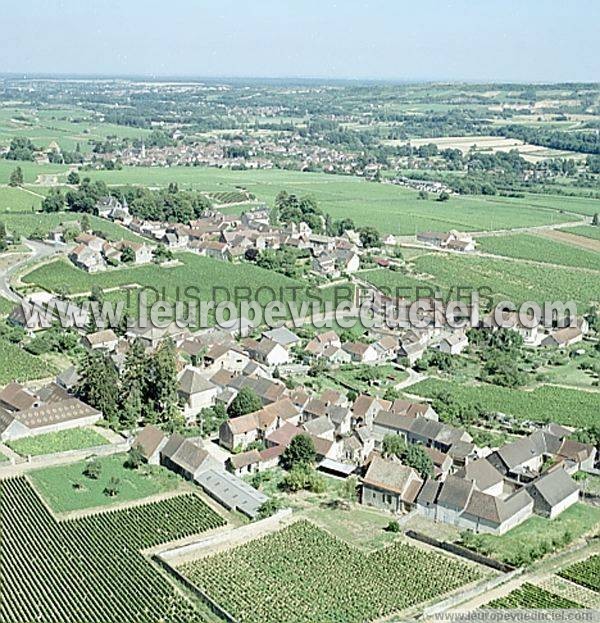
(538, 248)
(350, 377)
(72, 439)
(65, 488)
(361, 527)
(524, 541)
(543, 404)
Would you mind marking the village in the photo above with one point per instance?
(363, 435)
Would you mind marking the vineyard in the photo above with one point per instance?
(530, 596)
(543, 404)
(18, 365)
(90, 569)
(586, 573)
(303, 574)
(537, 248)
(231, 196)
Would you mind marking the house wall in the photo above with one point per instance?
(494, 490)
(555, 511)
(383, 500)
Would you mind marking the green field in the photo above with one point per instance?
(527, 541)
(65, 488)
(18, 200)
(31, 170)
(18, 365)
(6, 306)
(196, 278)
(91, 569)
(586, 573)
(506, 280)
(65, 126)
(540, 249)
(544, 404)
(392, 209)
(587, 231)
(528, 596)
(287, 576)
(71, 439)
(26, 221)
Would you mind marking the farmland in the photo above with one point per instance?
(543, 404)
(18, 365)
(68, 127)
(586, 573)
(531, 596)
(287, 576)
(587, 231)
(507, 280)
(488, 144)
(500, 279)
(65, 488)
(392, 209)
(70, 439)
(540, 249)
(194, 278)
(90, 569)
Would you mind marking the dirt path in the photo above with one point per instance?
(578, 241)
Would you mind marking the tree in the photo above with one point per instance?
(412, 455)
(301, 451)
(369, 237)
(134, 458)
(99, 385)
(127, 255)
(443, 196)
(16, 177)
(423, 195)
(161, 384)
(92, 470)
(596, 220)
(268, 508)
(73, 178)
(85, 223)
(112, 488)
(54, 201)
(162, 254)
(245, 402)
(3, 243)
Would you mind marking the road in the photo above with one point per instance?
(39, 251)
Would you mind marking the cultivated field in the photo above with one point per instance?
(18, 365)
(66, 126)
(542, 249)
(586, 231)
(543, 404)
(529, 596)
(586, 573)
(392, 209)
(195, 278)
(70, 439)
(490, 144)
(302, 574)
(90, 569)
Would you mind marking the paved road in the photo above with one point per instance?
(39, 251)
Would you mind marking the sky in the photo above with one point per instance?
(473, 40)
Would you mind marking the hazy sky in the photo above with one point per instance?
(537, 40)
